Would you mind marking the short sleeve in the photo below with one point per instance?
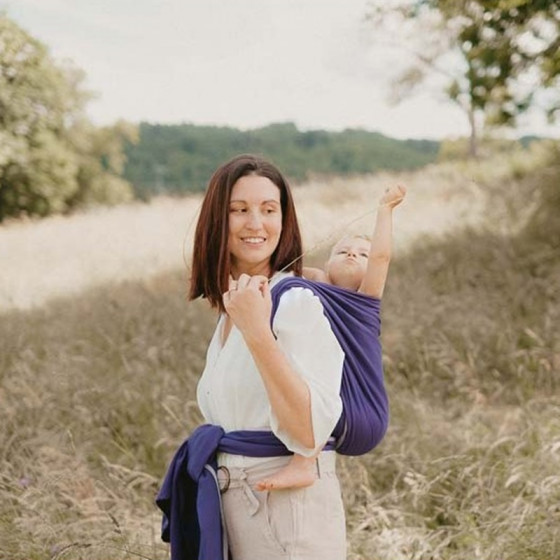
(305, 336)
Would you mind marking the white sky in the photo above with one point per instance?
(243, 63)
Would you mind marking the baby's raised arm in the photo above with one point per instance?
(379, 257)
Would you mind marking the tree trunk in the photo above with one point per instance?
(473, 140)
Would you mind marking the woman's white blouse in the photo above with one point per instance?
(231, 392)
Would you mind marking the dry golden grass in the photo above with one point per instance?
(59, 256)
(439, 199)
(98, 389)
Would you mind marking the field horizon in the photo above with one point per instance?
(47, 258)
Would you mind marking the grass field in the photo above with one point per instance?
(97, 386)
(61, 256)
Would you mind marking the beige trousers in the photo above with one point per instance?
(295, 524)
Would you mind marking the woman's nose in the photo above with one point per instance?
(254, 220)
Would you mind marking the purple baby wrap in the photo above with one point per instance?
(190, 496)
(356, 323)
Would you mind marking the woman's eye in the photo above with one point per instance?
(364, 255)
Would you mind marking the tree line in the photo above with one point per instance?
(503, 53)
(54, 160)
(180, 158)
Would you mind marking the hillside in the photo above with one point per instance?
(180, 158)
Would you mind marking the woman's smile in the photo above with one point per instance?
(254, 240)
(255, 224)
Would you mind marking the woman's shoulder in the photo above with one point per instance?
(283, 282)
(295, 301)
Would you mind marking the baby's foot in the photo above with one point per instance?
(290, 477)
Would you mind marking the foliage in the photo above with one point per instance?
(101, 160)
(492, 54)
(453, 149)
(181, 158)
(51, 158)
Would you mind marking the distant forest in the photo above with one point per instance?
(178, 159)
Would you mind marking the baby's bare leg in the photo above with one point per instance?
(299, 472)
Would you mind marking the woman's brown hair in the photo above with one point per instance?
(211, 261)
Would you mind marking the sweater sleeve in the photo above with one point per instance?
(305, 336)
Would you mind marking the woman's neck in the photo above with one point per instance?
(257, 270)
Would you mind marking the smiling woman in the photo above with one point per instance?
(267, 391)
(255, 225)
(246, 185)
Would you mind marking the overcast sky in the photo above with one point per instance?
(243, 63)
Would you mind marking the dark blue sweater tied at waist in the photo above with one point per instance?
(190, 496)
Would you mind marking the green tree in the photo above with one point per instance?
(37, 169)
(51, 158)
(100, 157)
(492, 54)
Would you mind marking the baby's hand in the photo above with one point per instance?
(393, 196)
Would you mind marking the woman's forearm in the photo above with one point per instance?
(288, 393)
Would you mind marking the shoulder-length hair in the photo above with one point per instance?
(211, 261)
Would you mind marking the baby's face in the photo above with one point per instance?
(347, 264)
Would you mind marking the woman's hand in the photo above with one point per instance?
(249, 305)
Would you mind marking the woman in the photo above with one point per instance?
(285, 380)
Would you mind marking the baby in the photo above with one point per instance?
(357, 264)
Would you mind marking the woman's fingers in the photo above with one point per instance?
(236, 288)
(243, 281)
(246, 281)
(249, 303)
(232, 284)
(265, 289)
(257, 282)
